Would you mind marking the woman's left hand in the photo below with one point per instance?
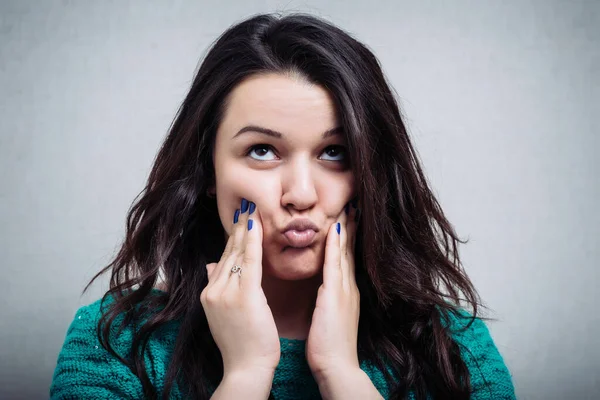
(331, 346)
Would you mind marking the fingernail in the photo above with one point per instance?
(236, 215)
(347, 208)
(244, 205)
(252, 208)
(338, 228)
(250, 224)
(357, 216)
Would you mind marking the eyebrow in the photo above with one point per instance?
(270, 132)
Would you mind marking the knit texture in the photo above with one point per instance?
(85, 370)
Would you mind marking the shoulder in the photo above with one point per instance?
(85, 369)
(490, 378)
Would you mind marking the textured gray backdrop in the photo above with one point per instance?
(501, 99)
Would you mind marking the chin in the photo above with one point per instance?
(293, 264)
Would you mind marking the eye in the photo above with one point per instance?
(335, 153)
(261, 152)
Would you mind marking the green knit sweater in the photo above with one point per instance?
(85, 370)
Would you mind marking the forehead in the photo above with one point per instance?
(282, 103)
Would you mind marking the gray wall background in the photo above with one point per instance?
(501, 99)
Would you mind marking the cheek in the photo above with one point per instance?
(334, 194)
(233, 184)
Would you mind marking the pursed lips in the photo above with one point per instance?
(300, 233)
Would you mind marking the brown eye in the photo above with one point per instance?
(261, 152)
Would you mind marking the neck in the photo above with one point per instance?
(292, 304)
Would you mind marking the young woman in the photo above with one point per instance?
(286, 245)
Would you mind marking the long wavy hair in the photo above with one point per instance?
(408, 268)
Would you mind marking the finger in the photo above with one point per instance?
(238, 233)
(228, 248)
(355, 218)
(332, 275)
(249, 263)
(253, 251)
(343, 220)
(346, 219)
(210, 269)
(350, 242)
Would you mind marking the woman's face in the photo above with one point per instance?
(296, 169)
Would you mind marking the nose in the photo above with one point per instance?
(298, 185)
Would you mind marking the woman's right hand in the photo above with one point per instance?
(236, 308)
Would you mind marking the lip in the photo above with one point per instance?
(300, 233)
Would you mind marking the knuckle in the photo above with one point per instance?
(237, 245)
(247, 259)
(210, 297)
(203, 299)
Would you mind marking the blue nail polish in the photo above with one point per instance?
(250, 224)
(252, 208)
(236, 215)
(244, 205)
(338, 228)
(347, 208)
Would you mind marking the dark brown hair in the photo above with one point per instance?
(407, 264)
